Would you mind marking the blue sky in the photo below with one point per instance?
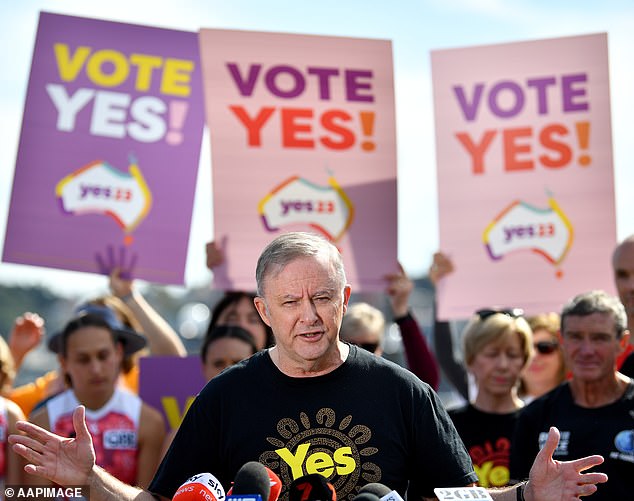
(415, 28)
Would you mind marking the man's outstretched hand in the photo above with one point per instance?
(65, 461)
(552, 480)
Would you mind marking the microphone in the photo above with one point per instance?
(313, 487)
(366, 496)
(383, 492)
(252, 483)
(276, 484)
(200, 487)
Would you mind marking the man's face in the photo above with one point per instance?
(591, 347)
(304, 304)
(623, 264)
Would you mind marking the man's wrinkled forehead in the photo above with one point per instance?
(321, 276)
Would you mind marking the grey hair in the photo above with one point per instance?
(290, 246)
(596, 301)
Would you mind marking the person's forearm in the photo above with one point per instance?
(420, 359)
(162, 339)
(453, 369)
(105, 487)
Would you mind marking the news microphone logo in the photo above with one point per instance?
(276, 484)
(313, 487)
(253, 482)
(200, 487)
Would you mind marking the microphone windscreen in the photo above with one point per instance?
(366, 496)
(200, 487)
(275, 484)
(313, 487)
(252, 478)
(376, 488)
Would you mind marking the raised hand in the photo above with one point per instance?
(550, 479)
(120, 261)
(399, 288)
(27, 332)
(441, 267)
(65, 461)
(215, 253)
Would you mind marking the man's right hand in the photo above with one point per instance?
(65, 461)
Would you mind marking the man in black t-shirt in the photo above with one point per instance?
(310, 404)
(595, 409)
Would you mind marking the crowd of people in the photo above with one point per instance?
(297, 381)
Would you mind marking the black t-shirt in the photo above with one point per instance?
(487, 437)
(627, 367)
(607, 430)
(369, 420)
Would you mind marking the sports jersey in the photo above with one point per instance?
(487, 437)
(114, 429)
(606, 430)
(369, 420)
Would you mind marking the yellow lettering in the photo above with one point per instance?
(321, 463)
(499, 476)
(118, 75)
(170, 406)
(67, 65)
(482, 472)
(146, 65)
(345, 462)
(176, 77)
(294, 461)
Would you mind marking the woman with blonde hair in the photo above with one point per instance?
(497, 346)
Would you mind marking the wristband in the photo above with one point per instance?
(519, 492)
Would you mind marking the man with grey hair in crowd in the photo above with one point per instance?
(623, 267)
(594, 409)
(310, 404)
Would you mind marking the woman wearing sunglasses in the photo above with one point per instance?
(545, 372)
(546, 369)
(498, 345)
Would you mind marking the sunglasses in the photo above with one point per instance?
(546, 347)
(509, 312)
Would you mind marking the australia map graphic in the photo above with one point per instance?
(296, 201)
(100, 188)
(524, 227)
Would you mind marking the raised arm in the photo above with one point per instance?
(420, 359)
(162, 339)
(443, 338)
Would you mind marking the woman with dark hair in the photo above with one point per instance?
(237, 308)
(126, 432)
(224, 346)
